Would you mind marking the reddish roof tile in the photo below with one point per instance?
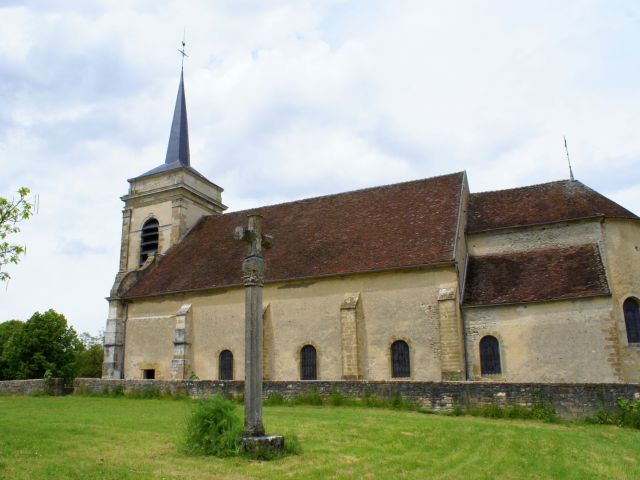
(396, 226)
(535, 276)
(536, 204)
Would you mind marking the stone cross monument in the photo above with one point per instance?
(253, 268)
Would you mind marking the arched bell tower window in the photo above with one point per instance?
(226, 365)
(308, 363)
(632, 319)
(400, 364)
(490, 356)
(148, 239)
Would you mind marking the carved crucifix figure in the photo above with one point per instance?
(253, 268)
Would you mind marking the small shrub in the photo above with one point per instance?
(292, 445)
(399, 403)
(309, 398)
(213, 428)
(117, 391)
(48, 382)
(336, 399)
(274, 400)
(457, 411)
(628, 413)
(602, 416)
(491, 411)
(543, 411)
(145, 393)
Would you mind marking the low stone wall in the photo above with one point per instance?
(569, 400)
(39, 386)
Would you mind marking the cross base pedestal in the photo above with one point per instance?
(263, 444)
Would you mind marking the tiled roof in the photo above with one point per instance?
(537, 204)
(396, 226)
(533, 276)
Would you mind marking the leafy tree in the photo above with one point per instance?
(88, 361)
(45, 342)
(12, 212)
(7, 329)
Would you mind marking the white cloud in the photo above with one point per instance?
(317, 97)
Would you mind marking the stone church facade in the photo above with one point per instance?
(417, 281)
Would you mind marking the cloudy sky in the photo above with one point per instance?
(313, 97)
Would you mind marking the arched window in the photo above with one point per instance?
(148, 239)
(489, 355)
(400, 365)
(632, 319)
(226, 365)
(308, 365)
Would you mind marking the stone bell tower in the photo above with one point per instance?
(159, 209)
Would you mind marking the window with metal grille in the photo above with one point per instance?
(632, 319)
(148, 239)
(400, 364)
(308, 366)
(226, 365)
(489, 355)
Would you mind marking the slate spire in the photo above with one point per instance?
(178, 149)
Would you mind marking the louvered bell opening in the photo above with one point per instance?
(149, 237)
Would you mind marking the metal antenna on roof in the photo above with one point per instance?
(184, 37)
(568, 159)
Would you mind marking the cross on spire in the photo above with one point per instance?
(184, 54)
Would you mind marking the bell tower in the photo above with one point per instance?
(159, 209)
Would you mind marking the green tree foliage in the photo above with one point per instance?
(12, 212)
(88, 361)
(7, 329)
(45, 342)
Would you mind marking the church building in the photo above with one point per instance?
(415, 281)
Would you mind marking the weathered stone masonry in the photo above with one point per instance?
(569, 400)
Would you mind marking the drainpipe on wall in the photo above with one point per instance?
(463, 316)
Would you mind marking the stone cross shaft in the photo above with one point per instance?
(253, 268)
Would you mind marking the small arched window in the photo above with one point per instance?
(308, 364)
(148, 239)
(632, 319)
(226, 365)
(489, 355)
(400, 364)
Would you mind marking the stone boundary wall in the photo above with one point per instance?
(32, 387)
(569, 400)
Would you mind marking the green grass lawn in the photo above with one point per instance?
(120, 438)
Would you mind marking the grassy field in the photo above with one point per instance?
(104, 438)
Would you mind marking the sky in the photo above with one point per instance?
(295, 99)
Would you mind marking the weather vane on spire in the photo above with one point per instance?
(184, 36)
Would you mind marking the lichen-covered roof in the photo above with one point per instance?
(537, 204)
(396, 226)
(534, 276)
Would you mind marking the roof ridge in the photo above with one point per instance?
(340, 194)
(553, 182)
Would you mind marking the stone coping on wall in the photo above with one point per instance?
(570, 400)
(37, 386)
